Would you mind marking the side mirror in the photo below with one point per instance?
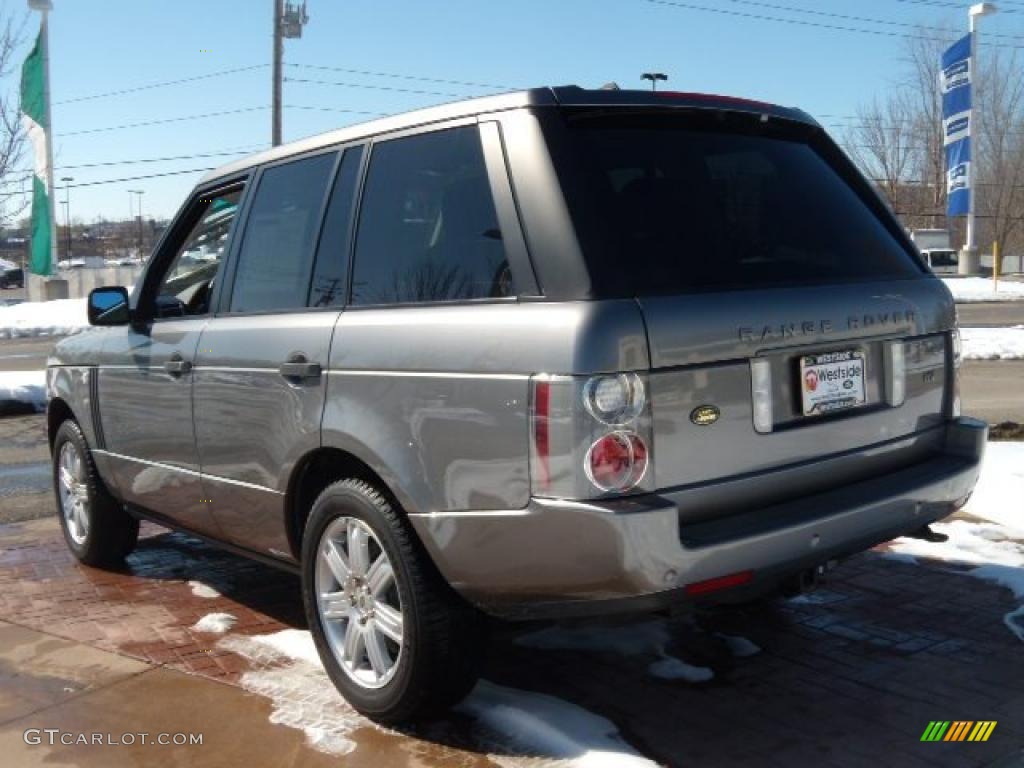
(108, 306)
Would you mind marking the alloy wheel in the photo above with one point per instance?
(358, 602)
(74, 493)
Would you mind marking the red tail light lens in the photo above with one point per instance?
(541, 435)
(617, 461)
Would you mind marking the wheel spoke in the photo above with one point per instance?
(388, 621)
(336, 561)
(354, 643)
(334, 606)
(378, 655)
(358, 548)
(380, 576)
(66, 480)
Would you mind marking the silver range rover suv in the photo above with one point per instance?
(543, 354)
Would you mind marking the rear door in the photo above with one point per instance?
(258, 381)
(145, 378)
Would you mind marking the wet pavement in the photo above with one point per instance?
(847, 675)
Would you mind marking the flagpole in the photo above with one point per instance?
(45, 31)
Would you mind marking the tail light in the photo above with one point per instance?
(590, 436)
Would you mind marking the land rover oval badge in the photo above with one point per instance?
(705, 415)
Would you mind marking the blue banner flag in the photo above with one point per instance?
(955, 84)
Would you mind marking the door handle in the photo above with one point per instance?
(298, 367)
(176, 365)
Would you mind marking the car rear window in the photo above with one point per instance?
(668, 203)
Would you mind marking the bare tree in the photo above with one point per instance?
(999, 175)
(882, 144)
(923, 57)
(12, 135)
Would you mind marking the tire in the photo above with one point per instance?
(99, 532)
(442, 638)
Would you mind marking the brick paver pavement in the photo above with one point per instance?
(848, 675)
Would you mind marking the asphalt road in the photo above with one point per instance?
(24, 354)
(991, 313)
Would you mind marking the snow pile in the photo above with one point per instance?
(203, 590)
(43, 318)
(995, 546)
(302, 694)
(969, 290)
(517, 728)
(23, 387)
(215, 623)
(542, 726)
(993, 343)
(625, 640)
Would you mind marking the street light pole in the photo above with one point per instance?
(654, 77)
(971, 262)
(67, 211)
(138, 192)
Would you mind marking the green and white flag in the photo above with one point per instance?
(37, 126)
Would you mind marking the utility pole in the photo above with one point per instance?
(654, 77)
(288, 23)
(275, 129)
(67, 211)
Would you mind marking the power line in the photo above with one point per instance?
(136, 89)
(366, 86)
(163, 121)
(957, 6)
(399, 76)
(122, 180)
(804, 22)
(139, 161)
(865, 19)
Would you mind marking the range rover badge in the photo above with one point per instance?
(705, 415)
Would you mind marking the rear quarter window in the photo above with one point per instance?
(679, 203)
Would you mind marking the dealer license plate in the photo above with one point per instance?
(832, 382)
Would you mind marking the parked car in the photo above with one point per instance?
(11, 275)
(553, 353)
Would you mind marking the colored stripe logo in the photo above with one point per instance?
(958, 730)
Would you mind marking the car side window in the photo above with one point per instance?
(428, 230)
(329, 275)
(276, 256)
(187, 285)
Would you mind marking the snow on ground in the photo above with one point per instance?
(740, 647)
(626, 640)
(517, 728)
(543, 726)
(203, 590)
(993, 343)
(24, 387)
(215, 623)
(43, 318)
(994, 547)
(968, 290)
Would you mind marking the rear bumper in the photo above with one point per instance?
(573, 558)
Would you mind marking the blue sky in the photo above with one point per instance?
(97, 47)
